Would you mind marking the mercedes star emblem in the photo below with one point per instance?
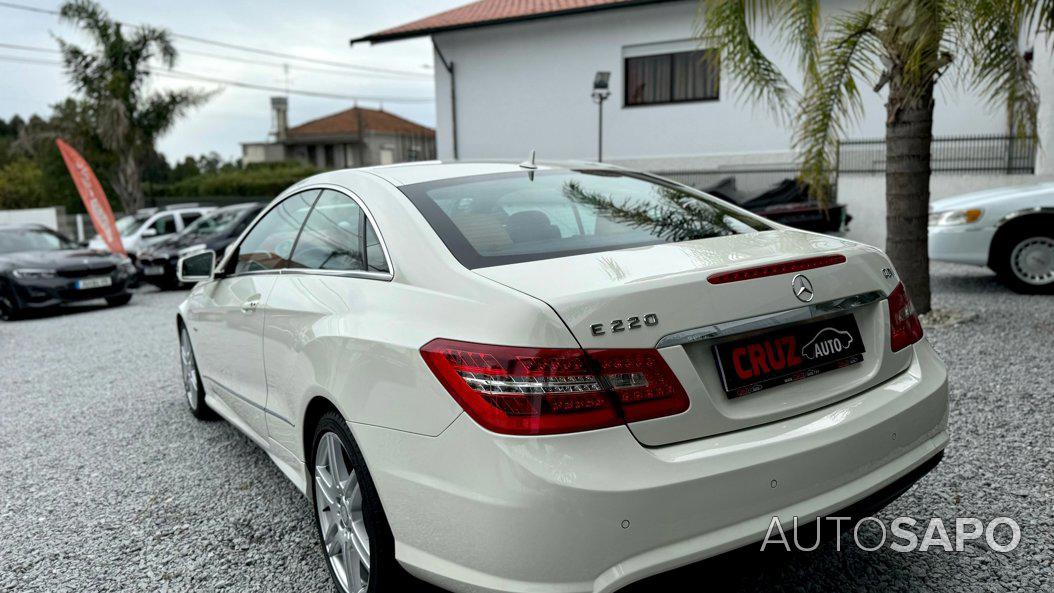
(802, 288)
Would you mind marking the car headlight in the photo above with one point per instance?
(126, 266)
(29, 273)
(955, 217)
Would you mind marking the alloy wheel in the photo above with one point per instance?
(190, 369)
(338, 504)
(1032, 261)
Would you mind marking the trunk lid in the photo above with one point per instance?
(666, 288)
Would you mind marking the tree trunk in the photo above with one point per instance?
(909, 133)
(127, 183)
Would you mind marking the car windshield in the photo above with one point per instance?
(215, 223)
(16, 240)
(490, 220)
(127, 225)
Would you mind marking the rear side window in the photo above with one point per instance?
(332, 238)
(270, 243)
(490, 220)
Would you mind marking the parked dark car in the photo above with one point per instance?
(786, 202)
(40, 268)
(214, 231)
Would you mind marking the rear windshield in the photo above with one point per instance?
(491, 220)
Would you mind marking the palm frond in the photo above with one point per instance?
(800, 28)
(996, 62)
(832, 100)
(730, 23)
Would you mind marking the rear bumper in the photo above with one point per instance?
(595, 511)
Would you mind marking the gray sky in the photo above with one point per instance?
(315, 28)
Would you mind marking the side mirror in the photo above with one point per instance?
(149, 233)
(196, 267)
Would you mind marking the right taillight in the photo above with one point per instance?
(904, 326)
(514, 390)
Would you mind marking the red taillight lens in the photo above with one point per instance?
(904, 326)
(514, 390)
(798, 265)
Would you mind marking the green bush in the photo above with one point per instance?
(22, 185)
(261, 179)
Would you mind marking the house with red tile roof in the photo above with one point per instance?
(356, 137)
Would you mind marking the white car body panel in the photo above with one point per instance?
(971, 243)
(472, 510)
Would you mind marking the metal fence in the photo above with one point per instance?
(950, 154)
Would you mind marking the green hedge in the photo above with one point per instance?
(260, 179)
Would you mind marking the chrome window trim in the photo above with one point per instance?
(770, 320)
(364, 274)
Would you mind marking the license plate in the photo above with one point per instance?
(89, 283)
(781, 356)
(154, 271)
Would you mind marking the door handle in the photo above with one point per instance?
(250, 306)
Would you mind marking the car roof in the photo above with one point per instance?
(425, 171)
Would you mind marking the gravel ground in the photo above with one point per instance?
(108, 484)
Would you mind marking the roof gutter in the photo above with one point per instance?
(453, 94)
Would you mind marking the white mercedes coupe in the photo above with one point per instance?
(520, 377)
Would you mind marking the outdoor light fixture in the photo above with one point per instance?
(600, 94)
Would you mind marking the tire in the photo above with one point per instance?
(8, 311)
(352, 517)
(1024, 259)
(119, 300)
(193, 389)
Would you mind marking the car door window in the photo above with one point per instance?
(332, 238)
(165, 225)
(375, 261)
(270, 243)
(189, 217)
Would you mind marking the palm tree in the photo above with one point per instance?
(901, 47)
(113, 79)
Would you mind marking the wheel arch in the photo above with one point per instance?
(315, 409)
(1013, 223)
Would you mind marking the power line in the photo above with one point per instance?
(267, 63)
(30, 48)
(240, 84)
(245, 48)
(204, 54)
(277, 54)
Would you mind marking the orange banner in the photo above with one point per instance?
(95, 201)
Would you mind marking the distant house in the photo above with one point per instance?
(356, 137)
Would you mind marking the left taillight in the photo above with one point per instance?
(904, 326)
(515, 390)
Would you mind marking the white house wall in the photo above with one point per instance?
(527, 86)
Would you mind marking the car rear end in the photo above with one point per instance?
(744, 372)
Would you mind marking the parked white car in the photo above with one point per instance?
(1010, 230)
(152, 225)
(502, 377)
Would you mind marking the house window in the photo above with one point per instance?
(673, 78)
